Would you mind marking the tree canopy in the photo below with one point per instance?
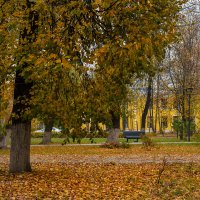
(74, 59)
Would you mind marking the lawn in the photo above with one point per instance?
(102, 140)
(93, 172)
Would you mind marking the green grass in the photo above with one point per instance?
(60, 140)
(35, 141)
(155, 139)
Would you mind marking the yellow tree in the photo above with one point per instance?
(60, 38)
(138, 33)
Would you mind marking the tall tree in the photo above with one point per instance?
(21, 125)
(59, 39)
(147, 103)
(182, 64)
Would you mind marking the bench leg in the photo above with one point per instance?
(127, 140)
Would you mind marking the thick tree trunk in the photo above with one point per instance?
(20, 148)
(21, 124)
(46, 138)
(47, 132)
(147, 104)
(113, 136)
(21, 127)
(3, 144)
(8, 134)
(183, 128)
(114, 131)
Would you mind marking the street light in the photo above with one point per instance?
(189, 92)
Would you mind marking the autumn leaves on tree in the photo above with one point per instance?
(75, 59)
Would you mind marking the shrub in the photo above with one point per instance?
(147, 141)
(97, 134)
(37, 134)
(121, 135)
(53, 134)
(124, 145)
(196, 137)
(180, 126)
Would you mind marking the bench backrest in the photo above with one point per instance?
(133, 133)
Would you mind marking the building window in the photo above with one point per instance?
(164, 123)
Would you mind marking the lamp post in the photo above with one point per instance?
(189, 92)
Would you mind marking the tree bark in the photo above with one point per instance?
(20, 148)
(183, 113)
(21, 127)
(114, 131)
(21, 124)
(47, 132)
(152, 108)
(113, 136)
(147, 104)
(157, 114)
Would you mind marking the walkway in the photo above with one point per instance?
(115, 159)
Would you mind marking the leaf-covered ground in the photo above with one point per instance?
(90, 172)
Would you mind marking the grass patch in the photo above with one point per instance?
(35, 141)
(155, 139)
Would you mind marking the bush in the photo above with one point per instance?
(37, 134)
(152, 134)
(180, 126)
(196, 137)
(121, 135)
(97, 134)
(147, 141)
(53, 134)
(124, 145)
(58, 134)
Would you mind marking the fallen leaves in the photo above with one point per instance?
(95, 173)
(101, 181)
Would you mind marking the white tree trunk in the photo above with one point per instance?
(113, 136)
(46, 138)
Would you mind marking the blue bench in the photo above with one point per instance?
(135, 135)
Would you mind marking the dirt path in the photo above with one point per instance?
(118, 159)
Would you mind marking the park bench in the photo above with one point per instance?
(135, 135)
